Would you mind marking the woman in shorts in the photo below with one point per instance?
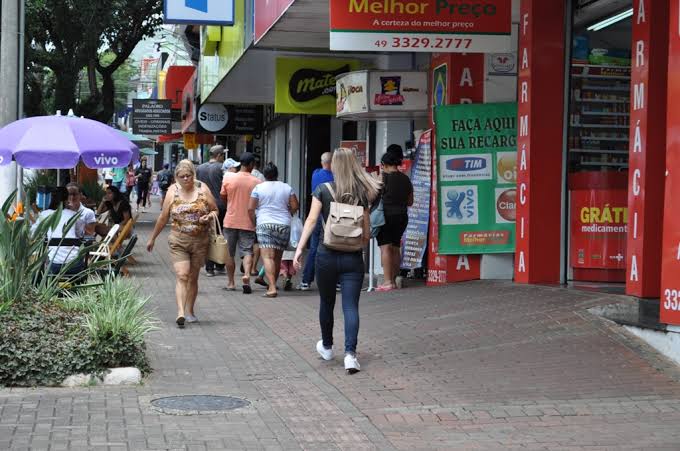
(191, 207)
(397, 196)
(271, 205)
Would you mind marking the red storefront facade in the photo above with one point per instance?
(649, 250)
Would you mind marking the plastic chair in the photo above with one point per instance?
(104, 249)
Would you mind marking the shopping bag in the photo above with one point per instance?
(218, 251)
(295, 232)
(377, 219)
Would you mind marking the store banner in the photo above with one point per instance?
(222, 119)
(381, 91)
(415, 238)
(198, 12)
(599, 228)
(360, 149)
(267, 13)
(477, 177)
(417, 26)
(307, 85)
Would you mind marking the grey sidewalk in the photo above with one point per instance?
(480, 365)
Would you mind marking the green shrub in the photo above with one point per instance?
(22, 267)
(87, 331)
(42, 345)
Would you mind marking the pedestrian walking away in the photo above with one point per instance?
(191, 207)
(143, 175)
(352, 187)
(239, 227)
(211, 174)
(271, 205)
(397, 196)
(130, 181)
(319, 176)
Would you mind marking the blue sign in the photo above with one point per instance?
(415, 237)
(199, 12)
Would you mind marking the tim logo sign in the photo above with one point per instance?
(199, 12)
(466, 167)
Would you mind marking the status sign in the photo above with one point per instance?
(477, 177)
(465, 26)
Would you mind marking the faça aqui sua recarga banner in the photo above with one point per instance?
(477, 177)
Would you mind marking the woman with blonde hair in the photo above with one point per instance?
(352, 185)
(191, 207)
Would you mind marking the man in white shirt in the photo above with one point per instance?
(83, 229)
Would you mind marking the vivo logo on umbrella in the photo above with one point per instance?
(199, 5)
(107, 161)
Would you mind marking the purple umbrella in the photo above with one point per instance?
(59, 142)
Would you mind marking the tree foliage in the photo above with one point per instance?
(69, 36)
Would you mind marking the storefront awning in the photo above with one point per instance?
(175, 81)
(170, 137)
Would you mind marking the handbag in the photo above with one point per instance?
(377, 218)
(218, 251)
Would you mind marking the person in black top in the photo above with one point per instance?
(211, 174)
(118, 207)
(397, 196)
(143, 175)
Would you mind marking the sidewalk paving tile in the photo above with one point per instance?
(480, 365)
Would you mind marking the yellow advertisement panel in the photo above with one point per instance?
(307, 85)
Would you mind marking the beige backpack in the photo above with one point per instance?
(344, 228)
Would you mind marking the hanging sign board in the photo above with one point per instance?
(307, 85)
(415, 237)
(472, 26)
(151, 117)
(220, 119)
(477, 177)
(199, 12)
(382, 94)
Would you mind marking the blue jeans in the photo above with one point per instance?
(308, 272)
(348, 269)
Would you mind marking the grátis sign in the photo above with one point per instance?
(308, 85)
(472, 26)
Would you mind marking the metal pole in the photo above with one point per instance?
(20, 90)
(10, 42)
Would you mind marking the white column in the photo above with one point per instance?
(10, 42)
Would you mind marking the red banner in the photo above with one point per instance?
(486, 16)
(267, 12)
(599, 227)
(413, 25)
(359, 149)
(670, 263)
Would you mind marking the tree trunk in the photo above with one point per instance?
(107, 97)
(92, 78)
(65, 89)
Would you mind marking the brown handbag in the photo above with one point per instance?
(218, 250)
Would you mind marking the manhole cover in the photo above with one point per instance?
(198, 404)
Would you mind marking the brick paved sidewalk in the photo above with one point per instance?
(484, 365)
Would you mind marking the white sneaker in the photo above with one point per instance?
(190, 319)
(352, 364)
(303, 286)
(326, 354)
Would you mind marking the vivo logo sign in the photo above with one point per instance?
(466, 164)
(106, 161)
(199, 12)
